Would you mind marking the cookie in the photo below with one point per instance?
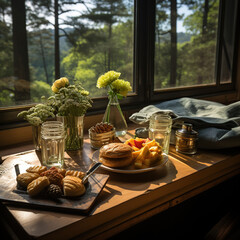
(37, 169)
(73, 186)
(24, 179)
(37, 185)
(74, 173)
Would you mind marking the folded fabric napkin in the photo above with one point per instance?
(218, 125)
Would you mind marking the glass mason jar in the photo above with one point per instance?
(52, 143)
(160, 126)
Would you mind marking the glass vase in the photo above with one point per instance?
(36, 135)
(74, 131)
(114, 115)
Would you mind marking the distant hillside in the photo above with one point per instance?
(181, 37)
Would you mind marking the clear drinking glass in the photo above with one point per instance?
(160, 126)
(52, 143)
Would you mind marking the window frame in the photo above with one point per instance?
(143, 71)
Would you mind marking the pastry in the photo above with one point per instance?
(78, 174)
(54, 176)
(116, 155)
(37, 185)
(24, 179)
(62, 171)
(36, 169)
(59, 170)
(73, 186)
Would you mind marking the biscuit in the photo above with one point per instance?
(24, 179)
(37, 185)
(73, 186)
(37, 169)
(74, 173)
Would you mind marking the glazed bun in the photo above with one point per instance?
(115, 155)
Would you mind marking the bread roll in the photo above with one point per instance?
(116, 155)
(116, 150)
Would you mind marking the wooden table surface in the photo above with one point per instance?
(126, 199)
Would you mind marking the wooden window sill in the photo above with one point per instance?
(127, 199)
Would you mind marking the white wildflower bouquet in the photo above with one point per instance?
(38, 114)
(69, 99)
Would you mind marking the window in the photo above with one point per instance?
(194, 46)
(165, 48)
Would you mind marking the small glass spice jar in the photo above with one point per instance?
(186, 139)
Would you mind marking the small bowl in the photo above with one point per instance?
(99, 139)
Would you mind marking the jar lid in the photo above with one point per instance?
(186, 131)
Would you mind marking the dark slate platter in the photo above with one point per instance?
(10, 194)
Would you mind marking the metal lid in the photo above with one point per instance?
(187, 131)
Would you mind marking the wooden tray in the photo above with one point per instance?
(10, 193)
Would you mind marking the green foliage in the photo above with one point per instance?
(39, 89)
(195, 56)
(101, 39)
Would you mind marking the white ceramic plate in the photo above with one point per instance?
(131, 169)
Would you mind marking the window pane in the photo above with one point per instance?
(185, 43)
(94, 36)
(100, 39)
(6, 55)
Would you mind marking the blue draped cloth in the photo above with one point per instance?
(218, 125)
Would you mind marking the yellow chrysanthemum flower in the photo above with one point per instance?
(65, 80)
(107, 79)
(122, 87)
(59, 83)
(54, 89)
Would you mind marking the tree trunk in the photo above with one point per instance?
(204, 36)
(205, 17)
(173, 74)
(109, 46)
(43, 59)
(56, 38)
(20, 52)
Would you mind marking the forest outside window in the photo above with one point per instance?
(44, 40)
(194, 47)
(165, 48)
